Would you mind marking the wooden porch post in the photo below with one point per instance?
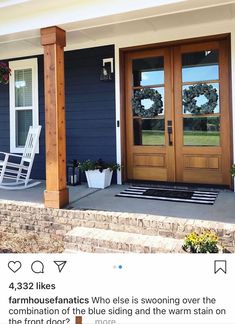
(56, 194)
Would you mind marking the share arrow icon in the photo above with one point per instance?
(60, 265)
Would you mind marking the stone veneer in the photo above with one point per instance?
(21, 216)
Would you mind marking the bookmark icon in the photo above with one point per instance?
(220, 266)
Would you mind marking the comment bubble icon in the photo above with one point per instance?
(37, 267)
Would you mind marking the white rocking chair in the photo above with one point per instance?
(13, 175)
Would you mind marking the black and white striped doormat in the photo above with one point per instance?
(166, 194)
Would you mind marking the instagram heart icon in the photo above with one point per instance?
(14, 266)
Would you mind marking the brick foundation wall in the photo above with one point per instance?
(20, 217)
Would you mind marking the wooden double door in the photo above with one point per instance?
(177, 111)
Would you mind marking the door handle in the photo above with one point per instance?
(169, 131)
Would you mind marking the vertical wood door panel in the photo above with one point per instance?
(204, 163)
(146, 161)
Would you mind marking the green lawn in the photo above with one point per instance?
(201, 138)
(152, 137)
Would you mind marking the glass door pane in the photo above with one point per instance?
(148, 101)
(200, 98)
(202, 131)
(148, 71)
(198, 66)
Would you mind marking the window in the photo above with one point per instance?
(23, 101)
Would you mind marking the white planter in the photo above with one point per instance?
(97, 179)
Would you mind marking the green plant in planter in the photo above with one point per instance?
(233, 170)
(5, 71)
(207, 242)
(98, 165)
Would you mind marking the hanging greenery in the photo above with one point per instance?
(192, 92)
(146, 93)
(5, 71)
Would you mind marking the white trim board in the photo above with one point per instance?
(20, 65)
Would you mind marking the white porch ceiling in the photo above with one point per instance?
(7, 3)
(106, 29)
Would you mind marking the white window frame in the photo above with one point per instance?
(21, 65)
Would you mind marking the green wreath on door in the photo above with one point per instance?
(146, 93)
(192, 92)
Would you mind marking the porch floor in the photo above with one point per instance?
(84, 198)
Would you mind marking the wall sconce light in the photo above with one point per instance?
(107, 69)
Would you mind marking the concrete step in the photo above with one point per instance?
(100, 240)
(151, 225)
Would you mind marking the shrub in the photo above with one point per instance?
(233, 170)
(97, 165)
(4, 73)
(207, 242)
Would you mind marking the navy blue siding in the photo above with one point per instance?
(90, 106)
(4, 119)
(39, 171)
(90, 109)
